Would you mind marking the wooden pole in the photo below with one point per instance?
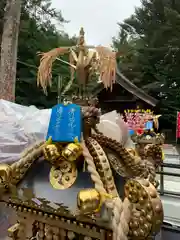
(59, 90)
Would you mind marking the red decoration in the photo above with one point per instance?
(140, 131)
(136, 119)
(178, 126)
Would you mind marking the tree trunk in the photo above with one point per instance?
(2, 7)
(9, 49)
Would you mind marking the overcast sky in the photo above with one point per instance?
(98, 17)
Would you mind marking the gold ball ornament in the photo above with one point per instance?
(5, 177)
(5, 172)
(51, 152)
(88, 201)
(72, 151)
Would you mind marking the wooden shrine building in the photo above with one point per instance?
(124, 95)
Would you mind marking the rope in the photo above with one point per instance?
(90, 112)
(28, 157)
(92, 169)
(121, 210)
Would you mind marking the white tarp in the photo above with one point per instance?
(20, 127)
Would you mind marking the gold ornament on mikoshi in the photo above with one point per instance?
(51, 152)
(132, 151)
(86, 61)
(63, 176)
(72, 151)
(5, 173)
(88, 201)
(156, 121)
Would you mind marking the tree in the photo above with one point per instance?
(28, 60)
(9, 49)
(155, 27)
(2, 7)
(36, 28)
(128, 47)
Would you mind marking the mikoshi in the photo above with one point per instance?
(87, 178)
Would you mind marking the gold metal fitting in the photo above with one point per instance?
(64, 176)
(147, 214)
(5, 172)
(132, 151)
(88, 201)
(72, 151)
(52, 152)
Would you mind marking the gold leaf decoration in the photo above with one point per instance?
(44, 75)
(107, 66)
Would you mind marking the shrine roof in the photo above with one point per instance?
(125, 83)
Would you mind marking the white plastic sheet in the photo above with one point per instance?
(113, 126)
(20, 127)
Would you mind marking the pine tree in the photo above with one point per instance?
(156, 26)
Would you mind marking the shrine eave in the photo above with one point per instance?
(131, 88)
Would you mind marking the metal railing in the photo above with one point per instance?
(163, 173)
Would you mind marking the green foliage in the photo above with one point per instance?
(38, 34)
(149, 41)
